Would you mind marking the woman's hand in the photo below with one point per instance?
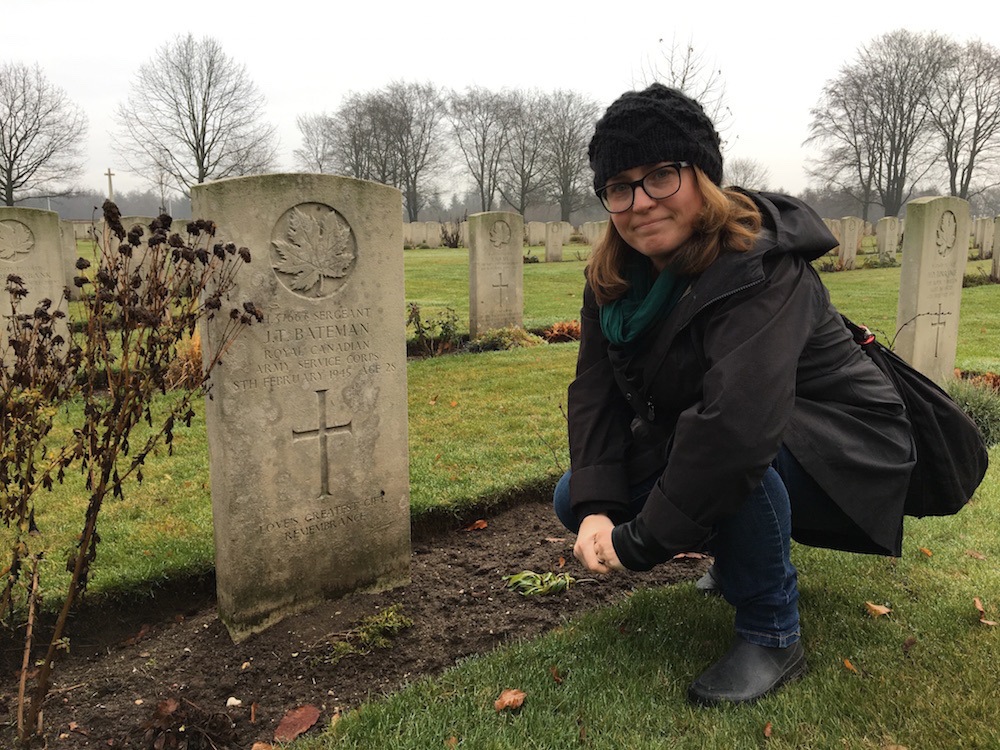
(593, 545)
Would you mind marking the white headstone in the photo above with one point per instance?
(432, 233)
(935, 252)
(31, 247)
(995, 270)
(496, 271)
(536, 233)
(307, 420)
(986, 248)
(553, 242)
(887, 238)
(850, 240)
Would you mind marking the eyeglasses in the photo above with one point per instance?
(660, 183)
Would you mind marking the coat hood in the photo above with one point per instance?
(796, 227)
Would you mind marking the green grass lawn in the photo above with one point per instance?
(923, 676)
(438, 279)
(485, 427)
(482, 427)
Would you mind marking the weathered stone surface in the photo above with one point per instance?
(554, 232)
(307, 420)
(887, 238)
(851, 228)
(496, 271)
(536, 233)
(32, 247)
(935, 253)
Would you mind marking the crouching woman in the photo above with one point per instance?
(719, 403)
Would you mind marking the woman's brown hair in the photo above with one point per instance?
(729, 221)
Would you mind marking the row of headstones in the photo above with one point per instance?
(536, 233)
(307, 424)
(888, 232)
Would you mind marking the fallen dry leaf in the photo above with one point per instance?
(976, 555)
(451, 741)
(876, 610)
(767, 729)
(253, 712)
(434, 400)
(295, 722)
(77, 729)
(562, 562)
(453, 403)
(925, 551)
(847, 663)
(555, 675)
(476, 525)
(982, 612)
(262, 746)
(509, 698)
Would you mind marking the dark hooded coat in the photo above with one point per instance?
(752, 357)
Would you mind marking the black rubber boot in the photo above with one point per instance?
(708, 584)
(747, 672)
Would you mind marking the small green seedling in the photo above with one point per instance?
(530, 583)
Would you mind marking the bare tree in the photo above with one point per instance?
(873, 120)
(569, 125)
(842, 124)
(747, 173)
(964, 109)
(522, 167)
(194, 113)
(685, 68)
(41, 132)
(316, 154)
(481, 124)
(416, 116)
(392, 135)
(361, 148)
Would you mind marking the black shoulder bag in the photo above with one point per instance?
(951, 453)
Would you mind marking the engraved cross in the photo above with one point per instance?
(321, 432)
(939, 325)
(500, 287)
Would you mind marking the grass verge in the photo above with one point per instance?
(923, 676)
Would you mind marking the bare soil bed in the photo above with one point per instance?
(138, 673)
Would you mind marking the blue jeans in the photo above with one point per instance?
(751, 549)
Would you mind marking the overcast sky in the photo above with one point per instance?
(305, 56)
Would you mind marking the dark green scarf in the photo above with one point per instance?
(647, 301)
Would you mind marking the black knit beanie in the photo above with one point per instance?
(657, 124)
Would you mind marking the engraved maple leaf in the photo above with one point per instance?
(314, 248)
(15, 238)
(500, 233)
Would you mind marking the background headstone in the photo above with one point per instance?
(553, 242)
(536, 233)
(31, 246)
(496, 271)
(935, 252)
(850, 241)
(307, 420)
(432, 233)
(995, 270)
(986, 248)
(67, 236)
(887, 238)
